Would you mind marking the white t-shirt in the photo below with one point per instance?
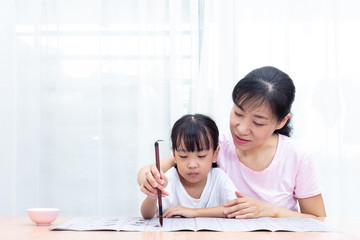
(218, 190)
(291, 174)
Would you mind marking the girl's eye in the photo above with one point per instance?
(258, 124)
(182, 156)
(202, 156)
(238, 114)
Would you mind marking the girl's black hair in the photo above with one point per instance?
(197, 132)
(267, 85)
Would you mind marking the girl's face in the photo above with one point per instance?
(251, 127)
(193, 167)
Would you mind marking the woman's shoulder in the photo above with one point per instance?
(225, 139)
(227, 150)
(291, 144)
(291, 147)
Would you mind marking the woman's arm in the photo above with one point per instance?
(248, 207)
(313, 206)
(150, 178)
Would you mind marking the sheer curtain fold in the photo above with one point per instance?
(8, 100)
(87, 87)
(85, 93)
(314, 44)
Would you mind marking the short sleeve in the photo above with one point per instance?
(169, 201)
(307, 182)
(226, 188)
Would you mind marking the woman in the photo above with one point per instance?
(271, 172)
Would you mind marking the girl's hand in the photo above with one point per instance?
(179, 211)
(248, 207)
(154, 180)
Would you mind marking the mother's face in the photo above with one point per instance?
(251, 127)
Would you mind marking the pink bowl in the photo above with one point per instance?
(43, 216)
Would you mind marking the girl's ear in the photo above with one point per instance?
(216, 154)
(173, 152)
(283, 122)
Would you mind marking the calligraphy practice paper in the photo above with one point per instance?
(138, 224)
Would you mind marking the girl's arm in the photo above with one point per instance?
(195, 212)
(149, 207)
(149, 177)
(248, 207)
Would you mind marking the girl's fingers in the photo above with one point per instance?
(164, 193)
(149, 187)
(154, 181)
(166, 213)
(147, 192)
(156, 177)
(162, 177)
(155, 172)
(150, 179)
(171, 212)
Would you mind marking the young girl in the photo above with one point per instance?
(194, 188)
(274, 175)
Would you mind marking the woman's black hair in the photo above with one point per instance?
(197, 132)
(267, 85)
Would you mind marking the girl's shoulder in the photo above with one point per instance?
(172, 173)
(218, 176)
(217, 172)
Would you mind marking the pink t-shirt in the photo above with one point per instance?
(290, 175)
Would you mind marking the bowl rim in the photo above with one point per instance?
(43, 209)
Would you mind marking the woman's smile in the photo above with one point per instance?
(241, 140)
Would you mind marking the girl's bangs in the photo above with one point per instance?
(193, 140)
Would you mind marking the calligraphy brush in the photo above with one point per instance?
(157, 158)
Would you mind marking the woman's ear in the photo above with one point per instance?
(283, 122)
(216, 154)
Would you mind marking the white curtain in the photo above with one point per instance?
(86, 88)
(317, 44)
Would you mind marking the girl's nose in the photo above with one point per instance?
(192, 164)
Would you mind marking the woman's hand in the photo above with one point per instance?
(179, 211)
(154, 180)
(248, 207)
